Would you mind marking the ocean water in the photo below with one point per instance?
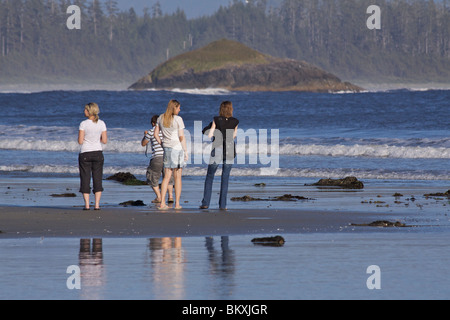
(384, 135)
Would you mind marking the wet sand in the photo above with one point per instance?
(28, 209)
(26, 222)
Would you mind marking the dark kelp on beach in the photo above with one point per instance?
(133, 203)
(285, 197)
(126, 178)
(64, 195)
(276, 241)
(438, 194)
(382, 224)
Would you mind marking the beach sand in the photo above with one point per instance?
(28, 209)
(24, 222)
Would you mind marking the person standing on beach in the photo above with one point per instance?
(224, 130)
(171, 125)
(156, 167)
(92, 134)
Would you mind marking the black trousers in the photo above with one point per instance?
(91, 164)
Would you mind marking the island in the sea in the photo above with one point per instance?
(233, 66)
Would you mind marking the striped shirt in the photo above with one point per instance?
(157, 150)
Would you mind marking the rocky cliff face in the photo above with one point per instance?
(272, 74)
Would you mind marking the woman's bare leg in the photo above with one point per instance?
(164, 186)
(178, 186)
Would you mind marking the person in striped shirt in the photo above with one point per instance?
(156, 166)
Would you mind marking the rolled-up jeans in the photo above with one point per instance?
(91, 163)
(212, 168)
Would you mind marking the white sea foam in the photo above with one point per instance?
(63, 139)
(244, 172)
(392, 87)
(208, 91)
(370, 151)
(339, 150)
(347, 92)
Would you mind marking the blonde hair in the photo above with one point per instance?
(226, 109)
(170, 112)
(93, 110)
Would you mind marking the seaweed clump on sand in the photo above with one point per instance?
(289, 197)
(276, 241)
(382, 224)
(127, 179)
(132, 203)
(64, 195)
(439, 194)
(246, 198)
(285, 197)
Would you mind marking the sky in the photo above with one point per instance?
(192, 8)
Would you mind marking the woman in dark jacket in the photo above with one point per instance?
(224, 130)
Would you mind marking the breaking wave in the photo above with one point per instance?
(370, 151)
(209, 91)
(246, 172)
(337, 150)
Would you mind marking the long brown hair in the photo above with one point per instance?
(226, 109)
(170, 112)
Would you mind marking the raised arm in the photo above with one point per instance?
(145, 141)
(211, 131)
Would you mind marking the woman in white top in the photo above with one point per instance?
(175, 151)
(91, 136)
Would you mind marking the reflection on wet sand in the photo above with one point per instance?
(221, 267)
(93, 275)
(168, 264)
(168, 267)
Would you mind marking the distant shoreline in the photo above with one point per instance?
(123, 86)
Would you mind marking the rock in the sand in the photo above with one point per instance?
(126, 178)
(64, 195)
(132, 203)
(276, 241)
(381, 223)
(346, 183)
